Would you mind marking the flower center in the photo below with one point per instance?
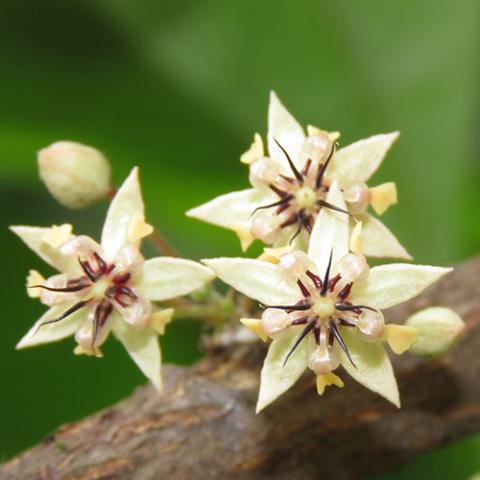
(101, 288)
(300, 198)
(306, 197)
(324, 307)
(323, 311)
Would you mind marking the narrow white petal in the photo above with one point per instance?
(283, 127)
(330, 232)
(357, 162)
(373, 367)
(126, 206)
(233, 211)
(55, 331)
(256, 279)
(379, 241)
(165, 277)
(276, 378)
(143, 348)
(33, 237)
(389, 285)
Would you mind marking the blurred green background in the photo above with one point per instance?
(179, 88)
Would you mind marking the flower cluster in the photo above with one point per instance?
(323, 306)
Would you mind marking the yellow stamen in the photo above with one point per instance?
(254, 152)
(245, 236)
(138, 229)
(400, 337)
(311, 130)
(383, 197)
(255, 326)
(326, 380)
(272, 255)
(160, 319)
(79, 350)
(356, 245)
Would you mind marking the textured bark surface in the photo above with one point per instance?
(204, 425)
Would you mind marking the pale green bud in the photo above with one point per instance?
(76, 175)
(438, 330)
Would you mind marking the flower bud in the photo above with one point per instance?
(438, 330)
(76, 175)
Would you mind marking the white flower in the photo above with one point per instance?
(291, 184)
(324, 309)
(108, 287)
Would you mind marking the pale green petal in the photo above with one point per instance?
(379, 241)
(256, 279)
(233, 211)
(283, 127)
(389, 285)
(143, 348)
(125, 207)
(276, 378)
(54, 331)
(358, 162)
(33, 238)
(330, 232)
(165, 277)
(374, 369)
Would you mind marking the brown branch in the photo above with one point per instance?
(204, 425)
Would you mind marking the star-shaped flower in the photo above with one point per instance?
(291, 184)
(324, 309)
(108, 287)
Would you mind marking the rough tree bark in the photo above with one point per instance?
(204, 425)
